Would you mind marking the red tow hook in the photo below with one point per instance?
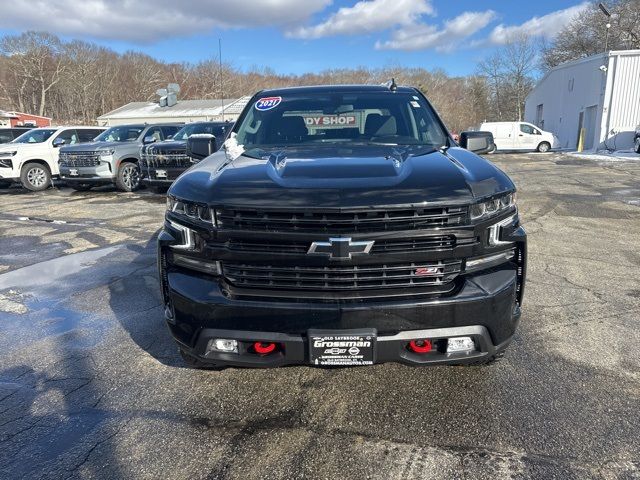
(420, 346)
(264, 348)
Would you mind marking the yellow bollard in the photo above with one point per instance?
(581, 140)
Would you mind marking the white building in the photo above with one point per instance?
(185, 111)
(600, 94)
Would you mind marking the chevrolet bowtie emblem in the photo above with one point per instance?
(340, 248)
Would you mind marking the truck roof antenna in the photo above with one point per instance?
(392, 85)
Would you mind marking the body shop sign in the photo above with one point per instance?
(331, 121)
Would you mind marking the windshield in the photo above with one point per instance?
(120, 134)
(35, 136)
(196, 128)
(369, 118)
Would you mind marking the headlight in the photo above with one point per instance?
(106, 155)
(8, 153)
(194, 211)
(493, 207)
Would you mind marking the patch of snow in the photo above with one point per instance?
(605, 156)
(231, 147)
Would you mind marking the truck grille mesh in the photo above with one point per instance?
(79, 159)
(391, 246)
(342, 277)
(340, 222)
(173, 158)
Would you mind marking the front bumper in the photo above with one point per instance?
(294, 350)
(151, 177)
(98, 175)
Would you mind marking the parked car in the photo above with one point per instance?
(340, 226)
(161, 163)
(9, 134)
(520, 136)
(32, 158)
(113, 158)
(636, 139)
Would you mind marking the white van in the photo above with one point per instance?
(520, 136)
(32, 158)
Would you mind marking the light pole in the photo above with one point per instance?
(606, 11)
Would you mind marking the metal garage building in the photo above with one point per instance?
(600, 94)
(183, 111)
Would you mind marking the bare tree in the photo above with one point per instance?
(587, 33)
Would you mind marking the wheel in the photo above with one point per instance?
(493, 149)
(544, 147)
(35, 177)
(195, 362)
(637, 144)
(128, 179)
(81, 187)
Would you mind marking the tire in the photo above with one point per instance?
(637, 144)
(493, 149)
(81, 187)
(128, 178)
(195, 362)
(544, 147)
(35, 177)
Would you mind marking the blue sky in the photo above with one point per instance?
(297, 36)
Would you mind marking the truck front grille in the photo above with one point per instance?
(341, 278)
(170, 159)
(429, 243)
(80, 159)
(365, 220)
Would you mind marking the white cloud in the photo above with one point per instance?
(152, 20)
(546, 26)
(446, 39)
(367, 16)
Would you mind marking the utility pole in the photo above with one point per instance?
(220, 76)
(606, 11)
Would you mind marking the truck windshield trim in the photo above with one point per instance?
(120, 134)
(366, 118)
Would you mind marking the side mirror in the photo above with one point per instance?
(58, 142)
(200, 146)
(477, 142)
(149, 139)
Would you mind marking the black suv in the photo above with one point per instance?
(338, 226)
(161, 163)
(9, 134)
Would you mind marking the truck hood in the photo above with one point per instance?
(169, 145)
(93, 146)
(339, 177)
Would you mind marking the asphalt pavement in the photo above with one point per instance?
(91, 385)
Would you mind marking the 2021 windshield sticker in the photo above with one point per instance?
(268, 103)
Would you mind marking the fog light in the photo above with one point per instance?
(460, 344)
(222, 345)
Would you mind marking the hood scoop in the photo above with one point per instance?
(291, 166)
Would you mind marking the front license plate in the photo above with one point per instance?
(343, 348)
(73, 172)
(161, 173)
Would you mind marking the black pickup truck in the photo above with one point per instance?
(342, 226)
(161, 163)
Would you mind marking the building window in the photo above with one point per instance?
(539, 119)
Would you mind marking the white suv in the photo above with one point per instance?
(32, 158)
